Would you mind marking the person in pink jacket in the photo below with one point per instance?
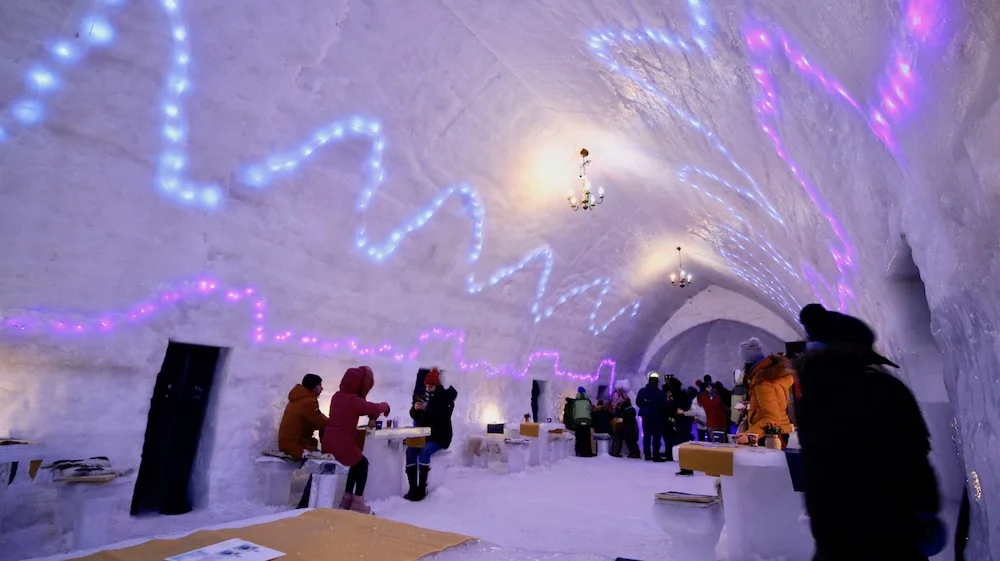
(340, 437)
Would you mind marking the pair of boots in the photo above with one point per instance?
(417, 478)
(354, 503)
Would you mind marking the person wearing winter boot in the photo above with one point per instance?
(886, 506)
(652, 407)
(340, 437)
(300, 420)
(431, 408)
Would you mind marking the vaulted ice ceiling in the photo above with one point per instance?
(389, 167)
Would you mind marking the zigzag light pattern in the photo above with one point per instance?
(173, 183)
(202, 289)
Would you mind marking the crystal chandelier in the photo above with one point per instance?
(681, 278)
(587, 200)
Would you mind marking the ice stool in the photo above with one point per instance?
(90, 510)
(276, 476)
(536, 450)
(603, 444)
(517, 454)
(440, 462)
(693, 522)
(476, 453)
(566, 448)
(329, 478)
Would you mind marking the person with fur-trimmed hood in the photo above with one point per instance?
(879, 501)
(769, 385)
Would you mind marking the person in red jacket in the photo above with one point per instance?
(340, 437)
(715, 411)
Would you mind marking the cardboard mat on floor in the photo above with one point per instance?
(324, 534)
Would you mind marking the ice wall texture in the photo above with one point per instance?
(788, 146)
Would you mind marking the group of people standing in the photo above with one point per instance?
(432, 407)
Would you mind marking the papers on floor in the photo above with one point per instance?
(235, 549)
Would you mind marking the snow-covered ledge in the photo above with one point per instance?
(718, 303)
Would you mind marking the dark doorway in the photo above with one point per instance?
(537, 397)
(602, 393)
(176, 414)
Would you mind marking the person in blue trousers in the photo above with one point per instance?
(432, 408)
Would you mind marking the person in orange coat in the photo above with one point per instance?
(302, 418)
(770, 382)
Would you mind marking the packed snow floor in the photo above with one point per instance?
(586, 509)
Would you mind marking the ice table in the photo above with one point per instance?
(761, 507)
(385, 451)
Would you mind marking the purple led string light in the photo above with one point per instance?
(38, 322)
(896, 88)
(173, 182)
(601, 45)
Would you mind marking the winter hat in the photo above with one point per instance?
(844, 330)
(654, 376)
(433, 378)
(581, 390)
(751, 352)
(813, 317)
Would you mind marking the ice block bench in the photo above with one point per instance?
(276, 468)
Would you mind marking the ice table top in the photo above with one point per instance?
(402, 432)
(21, 452)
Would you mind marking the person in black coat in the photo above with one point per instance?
(669, 431)
(652, 407)
(878, 499)
(628, 430)
(683, 424)
(602, 417)
(431, 408)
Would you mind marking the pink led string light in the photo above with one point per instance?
(896, 92)
(38, 322)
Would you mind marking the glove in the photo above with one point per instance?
(933, 537)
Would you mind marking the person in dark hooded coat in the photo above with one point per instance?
(877, 500)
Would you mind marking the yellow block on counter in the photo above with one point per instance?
(530, 429)
(415, 442)
(707, 457)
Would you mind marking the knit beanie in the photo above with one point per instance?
(751, 352)
(581, 390)
(433, 378)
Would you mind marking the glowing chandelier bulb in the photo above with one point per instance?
(588, 200)
(684, 278)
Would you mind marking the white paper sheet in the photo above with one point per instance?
(229, 549)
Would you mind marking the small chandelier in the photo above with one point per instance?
(681, 278)
(587, 200)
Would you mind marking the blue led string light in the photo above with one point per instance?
(44, 78)
(171, 179)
